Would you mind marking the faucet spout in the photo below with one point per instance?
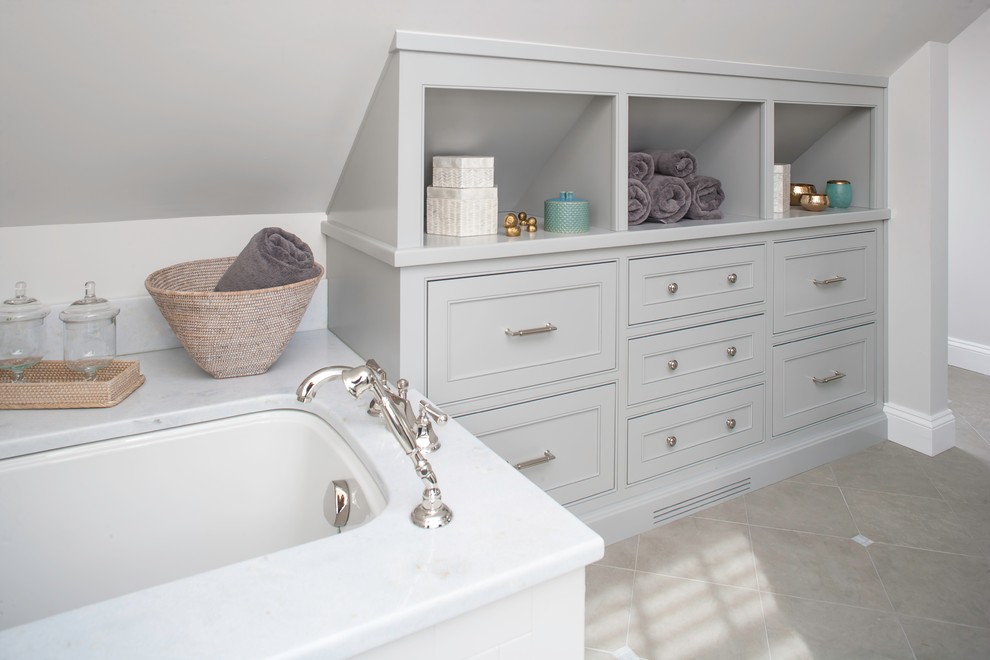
(357, 380)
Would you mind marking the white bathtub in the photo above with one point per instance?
(85, 524)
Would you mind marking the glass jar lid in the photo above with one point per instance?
(89, 308)
(21, 307)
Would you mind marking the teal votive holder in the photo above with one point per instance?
(840, 193)
(566, 214)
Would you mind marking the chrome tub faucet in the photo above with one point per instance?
(413, 430)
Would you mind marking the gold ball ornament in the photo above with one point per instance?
(531, 228)
(512, 231)
(510, 220)
(522, 216)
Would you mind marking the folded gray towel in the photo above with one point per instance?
(706, 198)
(670, 198)
(639, 202)
(641, 166)
(273, 257)
(677, 162)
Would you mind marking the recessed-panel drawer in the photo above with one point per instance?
(675, 438)
(577, 429)
(680, 284)
(824, 376)
(672, 362)
(495, 333)
(817, 280)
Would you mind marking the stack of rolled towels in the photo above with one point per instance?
(664, 187)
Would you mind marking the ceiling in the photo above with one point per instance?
(139, 109)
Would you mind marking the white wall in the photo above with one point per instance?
(917, 381)
(969, 208)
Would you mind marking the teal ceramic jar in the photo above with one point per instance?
(566, 214)
(840, 193)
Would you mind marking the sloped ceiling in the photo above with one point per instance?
(138, 109)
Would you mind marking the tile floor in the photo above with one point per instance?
(777, 573)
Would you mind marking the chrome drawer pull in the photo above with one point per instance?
(546, 458)
(731, 423)
(549, 327)
(732, 278)
(731, 351)
(831, 280)
(672, 287)
(672, 365)
(671, 440)
(836, 375)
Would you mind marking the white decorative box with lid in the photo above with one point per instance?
(463, 171)
(462, 211)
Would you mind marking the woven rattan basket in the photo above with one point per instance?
(228, 333)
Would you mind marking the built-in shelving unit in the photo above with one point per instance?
(664, 367)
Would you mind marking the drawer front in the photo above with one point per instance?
(817, 280)
(471, 346)
(671, 439)
(681, 284)
(684, 360)
(577, 428)
(824, 376)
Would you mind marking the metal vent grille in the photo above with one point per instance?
(699, 502)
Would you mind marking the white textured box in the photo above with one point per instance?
(462, 211)
(463, 171)
(781, 188)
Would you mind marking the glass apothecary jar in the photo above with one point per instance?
(90, 333)
(22, 332)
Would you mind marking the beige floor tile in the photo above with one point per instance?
(935, 585)
(887, 467)
(592, 654)
(976, 518)
(811, 630)
(801, 507)
(608, 595)
(621, 554)
(817, 567)
(677, 619)
(820, 475)
(917, 522)
(699, 549)
(957, 479)
(935, 640)
(732, 511)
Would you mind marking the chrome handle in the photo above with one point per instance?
(672, 365)
(831, 280)
(546, 458)
(428, 409)
(671, 440)
(549, 327)
(836, 375)
(731, 423)
(672, 287)
(732, 278)
(731, 351)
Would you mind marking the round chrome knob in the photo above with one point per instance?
(731, 423)
(732, 278)
(671, 440)
(672, 287)
(672, 364)
(731, 351)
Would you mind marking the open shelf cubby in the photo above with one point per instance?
(542, 142)
(823, 142)
(724, 136)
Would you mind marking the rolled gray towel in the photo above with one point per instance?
(706, 198)
(273, 257)
(639, 202)
(670, 198)
(674, 162)
(641, 166)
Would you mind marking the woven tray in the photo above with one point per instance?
(50, 384)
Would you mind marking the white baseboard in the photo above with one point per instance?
(969, 355)
(928, 434)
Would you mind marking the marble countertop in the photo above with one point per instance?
(329, 598)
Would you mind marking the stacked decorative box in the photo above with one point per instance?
(463, 200)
